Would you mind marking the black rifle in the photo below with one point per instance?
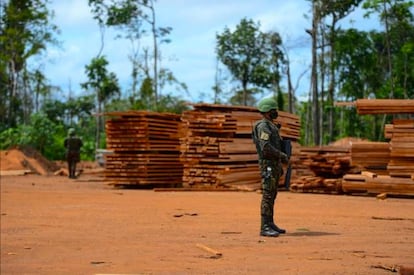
(287, 149)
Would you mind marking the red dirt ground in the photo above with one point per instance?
(54, 225)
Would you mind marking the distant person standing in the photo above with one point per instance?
(268, 142)
(73, 145)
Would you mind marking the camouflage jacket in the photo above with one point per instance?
(73, 144)
(268, 142)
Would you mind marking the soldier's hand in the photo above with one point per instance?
(285, 159)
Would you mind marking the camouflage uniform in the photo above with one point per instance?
(267, 135)
(269, 149)
(73, 145)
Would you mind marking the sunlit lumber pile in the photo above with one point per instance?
(384, 106)
(146, 149)
(381, 106)
(315, 184)
(377, 184)
(328, 164)
(217, 148)
(371, 156)
(401, 136)
(400, 167)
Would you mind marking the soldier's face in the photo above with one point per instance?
(273, 114)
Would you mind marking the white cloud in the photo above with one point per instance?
(191, 54)
(74, 13)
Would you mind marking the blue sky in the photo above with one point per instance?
(191, 54)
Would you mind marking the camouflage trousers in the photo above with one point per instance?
(72, 159)
(270, 172)
(269, 193)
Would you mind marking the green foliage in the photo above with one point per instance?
(103, 83)
(398, 20)
(88, 149)
(338, 8)
(242, 97)
(252, 57)
(147, 99)
(280, 100)
(41, 134)
(10, 137)
(171, 104)
(25, 31)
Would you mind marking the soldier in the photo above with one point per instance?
(72, 144)
(268, 142)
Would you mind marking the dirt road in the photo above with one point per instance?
(54, 225)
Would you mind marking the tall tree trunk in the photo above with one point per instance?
(244, 84)
(331, 87)
(98, 125)
(315, 95)
(13, 83)
(322, 72)
(388, 45)
(155, 42)
(290, 89)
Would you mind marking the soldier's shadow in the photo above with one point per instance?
(309, 233)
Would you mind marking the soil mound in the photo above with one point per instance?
(26, 158)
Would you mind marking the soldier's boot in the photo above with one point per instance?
(266, 228)
(70, 171)
(275, 227)
(74, 172)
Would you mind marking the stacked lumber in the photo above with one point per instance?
(400, 167)
(246, 116)
(376, 184)
(315, 184)
(328, 161)
(371, 156)
(328, 164)
(217, 149)
(381, 106)
(401, 135)
(145, 149)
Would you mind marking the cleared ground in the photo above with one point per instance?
(54, 225)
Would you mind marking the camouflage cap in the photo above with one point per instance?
(267, 104)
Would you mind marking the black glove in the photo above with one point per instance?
(284, 158)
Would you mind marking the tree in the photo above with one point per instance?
(326, 15)
(252, 57)
(316, 18)
(25, 31)
(333, 10)
(397, 19)
(129, 15)
(105, 86)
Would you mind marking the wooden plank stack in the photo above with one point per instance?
(401, 135)
(384, 106)
(371, 156)
(377, 184)
(316, 184)
(217, 149)
(328, 164)
(399, 178)
(146, 149)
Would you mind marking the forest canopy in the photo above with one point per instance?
(346, 64)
